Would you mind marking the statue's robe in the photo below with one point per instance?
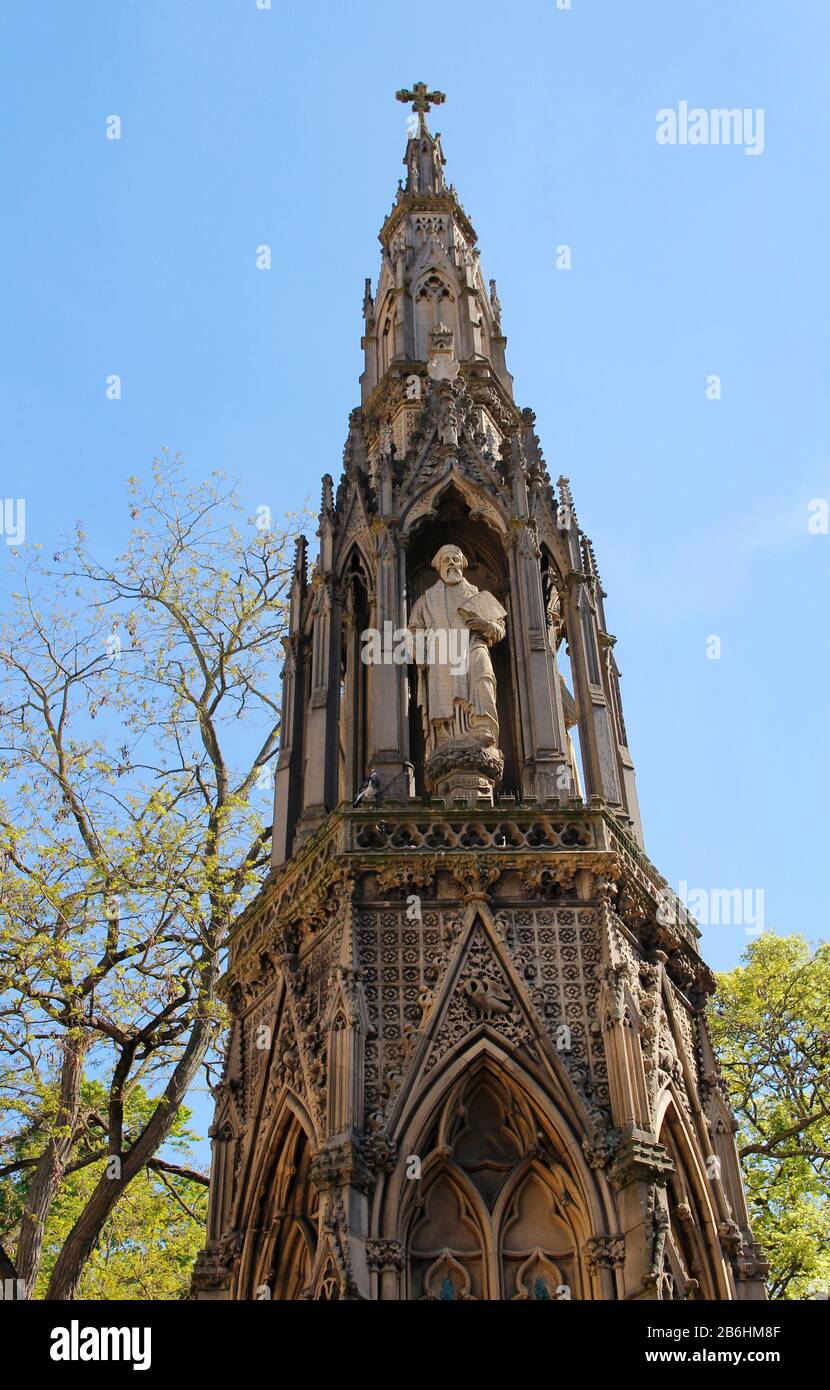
(444, 692)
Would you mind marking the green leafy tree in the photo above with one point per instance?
(771, 1027)
(139, 719)
(151, 1238)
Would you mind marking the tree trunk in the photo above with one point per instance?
(86, 1232)
(49, 1169)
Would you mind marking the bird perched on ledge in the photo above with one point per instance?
(369, 791)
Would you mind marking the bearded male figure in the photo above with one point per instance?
(457, 702)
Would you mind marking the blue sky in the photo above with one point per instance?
(244, 126)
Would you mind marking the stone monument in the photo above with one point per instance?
(468, 1054)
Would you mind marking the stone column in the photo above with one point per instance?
(386, 742)
(603, 1255)
(287, 778)
(639, 1174)
(344, 1180)
(321, 719)
(387, 1261)
(545, 770)
(596, 735)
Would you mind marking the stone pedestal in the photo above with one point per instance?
(462, 770)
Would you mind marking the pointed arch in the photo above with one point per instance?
(328, 1281)
(226, 1151)
(487, 1133)
(431, 256)
(355, 545)
(389, 327)
(694, 1266)
(435, 301)
(552, 540)
(279, 1215)
(539, 1236)
(353, 672)
(425, 504)
(547, 1081)
(446, 1238)
(722, 1128)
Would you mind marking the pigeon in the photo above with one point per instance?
(369, 790)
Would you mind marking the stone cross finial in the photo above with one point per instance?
(422, 101)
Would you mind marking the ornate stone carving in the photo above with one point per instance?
(336, 1279)
(340, 1164)
(484, 993)
(640, 1159)
(458, 755)
(605, 1252)
(212, 1272)
(601, 1146)
(385, 1254)
(476, 876)
(486, 998)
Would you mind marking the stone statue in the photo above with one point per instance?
(441, 363)
(457, 700)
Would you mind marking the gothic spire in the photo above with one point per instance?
(431, 277)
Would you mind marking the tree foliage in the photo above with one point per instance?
(139, 719)
(771, 1027)
(151, 1238)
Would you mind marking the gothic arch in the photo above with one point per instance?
(389, 329)
(496, 1144)
(280, 1215)
(722, 1127)
(356, 552)
(387, 343)
(436, 301)
(353, 673)
(431, 256)
(541, 1232)
(693, 1264)
(456, 514)
(292, 1263)
(552, 541)
(484, 320)
(458, 511)
(554, 597)
(425, 505)
(227, 1143)
(564, 1114)
(446, 1233)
